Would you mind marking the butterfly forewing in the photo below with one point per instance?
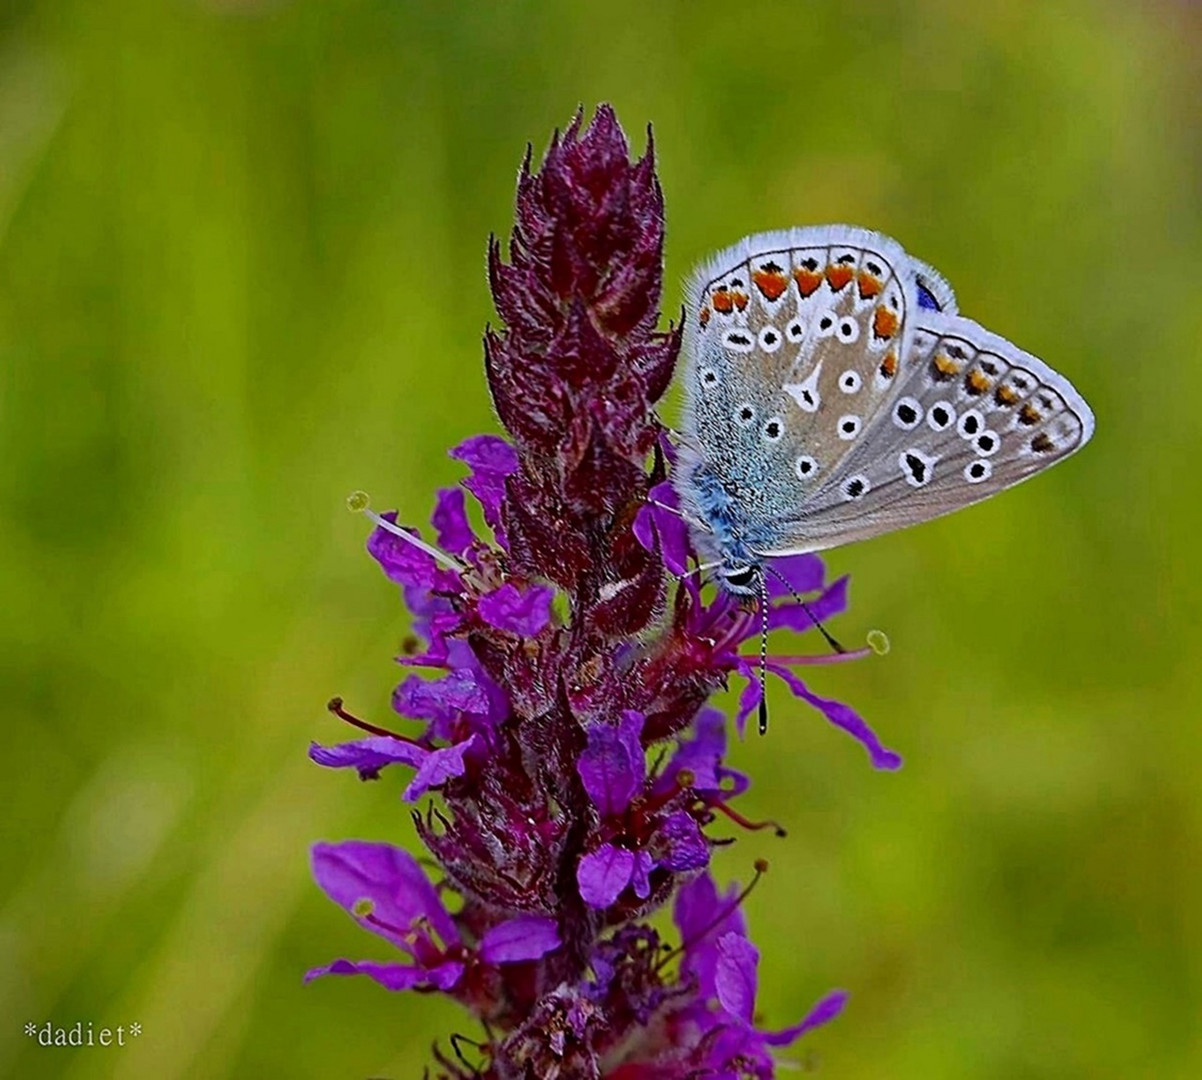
(796, 339)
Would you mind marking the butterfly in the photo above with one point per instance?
(833, 393)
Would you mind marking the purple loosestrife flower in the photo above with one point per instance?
(553, 828)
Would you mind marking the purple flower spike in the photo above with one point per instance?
(569, 777)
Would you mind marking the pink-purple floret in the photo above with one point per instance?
(550, 826)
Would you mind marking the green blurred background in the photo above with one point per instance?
(242, 273)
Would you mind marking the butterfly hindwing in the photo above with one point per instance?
(972, 415)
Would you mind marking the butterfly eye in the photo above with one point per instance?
(826, 324)
(795, 330)
(770, 339)
(774, 428)
(940, 416)
(806, 466)
(849, 331)
(855, 487)
(745, 414)
(970, 424)
(849, 427)
(907, 414)
(987, 444)
(976, 471)
(850, 382)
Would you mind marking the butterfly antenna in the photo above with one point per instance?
(806, 608)
(763, 654)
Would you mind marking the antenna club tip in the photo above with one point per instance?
(761, 866)
(357, 502)
(878, 642)
(334, 704)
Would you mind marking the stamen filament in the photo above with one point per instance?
(761, 868)
(335, 706)
(357, 502)
(747, 823)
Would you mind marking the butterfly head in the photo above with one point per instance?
(741, 578)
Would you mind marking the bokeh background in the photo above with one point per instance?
(241, 274)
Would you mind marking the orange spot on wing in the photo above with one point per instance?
(740, 299)
(772, 283)
(889, 365)
(1006, 395)
(869, 285)
(723, 301)
(946, 367)
(1029, 415)
(884, 323)
(976, 382)
(1041, 444)
(705, 317)
(838, 275)
(807, 281)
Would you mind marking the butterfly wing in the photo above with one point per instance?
(971, 415)
(833, 389)
(794, 340)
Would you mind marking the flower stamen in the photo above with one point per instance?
(359, 502)
(335, 706)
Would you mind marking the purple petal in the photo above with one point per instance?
(389, 879)
(823, 1013)
(612, 766)
(405, 564)
(842, 716)
(673, 532)
(686, 846)
(440, 699)
(804, 573)
(702, 915)
(749, 699)
(438, 767)
(735, 977)
(794, 616)
(526, 937)
(491, 459)
(702, 754)
(602, 874)
(394, 976)
(449, 519)
(369, 756)
(524, 613)
(640, 879)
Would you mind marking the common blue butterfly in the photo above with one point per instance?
(832, 393)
